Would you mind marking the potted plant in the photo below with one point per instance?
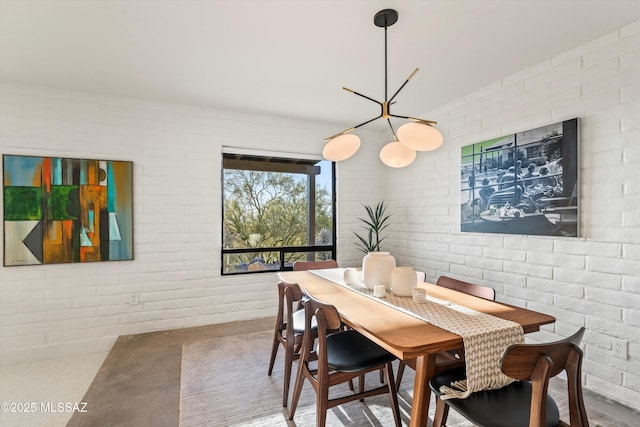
(376, 222)
(376, 265)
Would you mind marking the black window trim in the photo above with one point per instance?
(281, 162)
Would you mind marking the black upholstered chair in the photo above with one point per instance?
(341, 356)
(450, 359)
(291, 312)
(524, 403)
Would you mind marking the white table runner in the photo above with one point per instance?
(485, 337)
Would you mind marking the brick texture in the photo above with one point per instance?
(58, 310)
(589, 281)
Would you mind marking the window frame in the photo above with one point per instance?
(295, 163)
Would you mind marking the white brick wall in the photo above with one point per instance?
(58, 310)
(591, 281)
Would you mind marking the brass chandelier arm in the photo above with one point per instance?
(404, 84)
(415, 119)
(363, 123)
(329, 138)
(395, 138)
(361, 95)
(352, 128)
(368, 121)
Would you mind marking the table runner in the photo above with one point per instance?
(485, 337)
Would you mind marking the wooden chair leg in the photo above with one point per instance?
(297, 389)
(392, 393)
(322, 404)
(441, 414)
(288, 363)
(401, 367)
(274, 351)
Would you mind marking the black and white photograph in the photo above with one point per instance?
(523, 183)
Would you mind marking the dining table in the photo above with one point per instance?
(404, 335)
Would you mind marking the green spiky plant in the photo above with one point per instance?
(376, 222)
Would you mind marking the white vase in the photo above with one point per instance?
(377, 268)
(352, 277)
(403, 281)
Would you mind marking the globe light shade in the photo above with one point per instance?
(420, 136)
(341, 147)
(397, 155)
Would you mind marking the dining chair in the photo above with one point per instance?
(314, 265)
(318, 265)
(289, 330)
(341, 355)
(525, 402)
(451, 359)
(480, 291)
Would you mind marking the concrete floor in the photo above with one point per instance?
(46, 383)
(138, 384)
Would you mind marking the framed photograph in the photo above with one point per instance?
(524, 183)
(60, 210)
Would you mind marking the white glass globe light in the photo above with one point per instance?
(397, 155)
(341, 147)
(420, 136)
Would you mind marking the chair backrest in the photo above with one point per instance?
(314, 265)
(519, 360)
(485, 292)
(328, 320)
(289, 293)
(326, 315)
(539, 362)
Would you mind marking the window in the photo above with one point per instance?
(276, 211)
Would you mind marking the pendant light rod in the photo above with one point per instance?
(385, 63)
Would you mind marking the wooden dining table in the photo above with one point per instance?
(404, 335)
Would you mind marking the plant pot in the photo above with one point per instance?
(377, 268)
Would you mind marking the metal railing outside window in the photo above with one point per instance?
(276, 211)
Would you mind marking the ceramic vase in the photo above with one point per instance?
(403, 281)
(377, 268)
(352, 277)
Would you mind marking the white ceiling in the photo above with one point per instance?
(291, 57)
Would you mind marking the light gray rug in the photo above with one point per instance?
(225, 383)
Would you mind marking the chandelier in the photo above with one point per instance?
(416, 135)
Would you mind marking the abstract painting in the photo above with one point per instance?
(62, 210)
(523, 183)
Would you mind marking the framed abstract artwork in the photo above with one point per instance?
(62, 210)
(524, 183)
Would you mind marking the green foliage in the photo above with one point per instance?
(269, 209)
(376, 222)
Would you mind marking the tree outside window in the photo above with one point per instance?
(276, 211)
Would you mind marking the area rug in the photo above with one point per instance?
(224, 383)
